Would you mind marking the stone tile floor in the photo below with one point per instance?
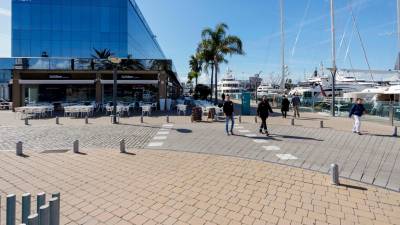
(163, 187)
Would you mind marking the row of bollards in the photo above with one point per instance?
(46, 214)
(19, 151)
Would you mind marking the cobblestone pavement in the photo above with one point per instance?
(163, 187)
(43, 135)
(373, 159)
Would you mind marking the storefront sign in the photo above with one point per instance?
(61, 76)
(128, 77)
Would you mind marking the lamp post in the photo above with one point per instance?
(115, 62)
(334, 69)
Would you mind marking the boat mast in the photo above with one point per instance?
(398, 24)
(334, 69)
(282, 85)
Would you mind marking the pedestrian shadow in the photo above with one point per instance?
(299, 137)
(268, 138)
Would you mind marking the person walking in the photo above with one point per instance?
(296, 105)
(357, 111)
(285, 106)
(223, 97)
(229, 114)
(263, 110)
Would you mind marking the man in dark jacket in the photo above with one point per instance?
(296, 105)
(285, 106)
(357, 111)
(229, 114)
(263, 110)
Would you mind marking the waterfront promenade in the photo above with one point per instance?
(243, 179)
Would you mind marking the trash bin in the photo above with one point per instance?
(246, 98)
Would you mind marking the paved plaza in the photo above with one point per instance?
(164, 187)
(193, 173)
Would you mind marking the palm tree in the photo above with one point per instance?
(195, 64)
(102, 54)
(221, 44)
(204, 52)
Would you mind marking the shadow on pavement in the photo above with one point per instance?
(353, 187)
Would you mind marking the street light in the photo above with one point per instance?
(257, 84)
(115, 62)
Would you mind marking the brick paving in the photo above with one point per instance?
(163, 187)
(168, 182)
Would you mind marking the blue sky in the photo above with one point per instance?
(178, 23)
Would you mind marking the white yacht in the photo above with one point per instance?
(267, 89)
(230, 86)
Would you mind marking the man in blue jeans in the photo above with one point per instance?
(228, 110)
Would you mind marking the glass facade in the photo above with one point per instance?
(73, 28)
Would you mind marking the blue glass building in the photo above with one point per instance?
(53, 55)
(73, 28)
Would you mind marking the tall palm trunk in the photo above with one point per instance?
(212, 80)
(196, 80)
(216, 82)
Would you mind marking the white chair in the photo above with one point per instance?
(146, 109)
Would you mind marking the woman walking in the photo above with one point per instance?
(263, 110)
(285, 106)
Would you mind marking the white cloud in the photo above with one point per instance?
(5, 12)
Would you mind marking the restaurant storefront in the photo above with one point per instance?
(92, 84)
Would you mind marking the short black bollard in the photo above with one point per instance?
(26, 121)
(33, 219)
(44, 215)
(122, 147)
(54, 210)
(255, 119)
(10, 215)
(26, 207)
(321, 124)
(40, 201)
(19, 150)
(167, 119)
(57, 120)
(76, 146)
(86, 120)
(240, 118)
(395, 131)
(141, 118)
(335, 174)
(292, 122)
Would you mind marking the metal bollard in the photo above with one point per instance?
(240, 118)
(292, 122)
(122, 148)
(19, 150)
(321, 124)
(255, 119)
(335, 174)
(76, 146)
(141, 118)
(10, 217)
(44, 215)
(54, 212)
(395, 131)
(26, 121)
(26, 207)
(167, 118)
(86, 120)
(57, 120)
(33, 219)
(40, 201)
(58, 196)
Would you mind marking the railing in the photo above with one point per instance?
(43, 63)
(45, 214)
